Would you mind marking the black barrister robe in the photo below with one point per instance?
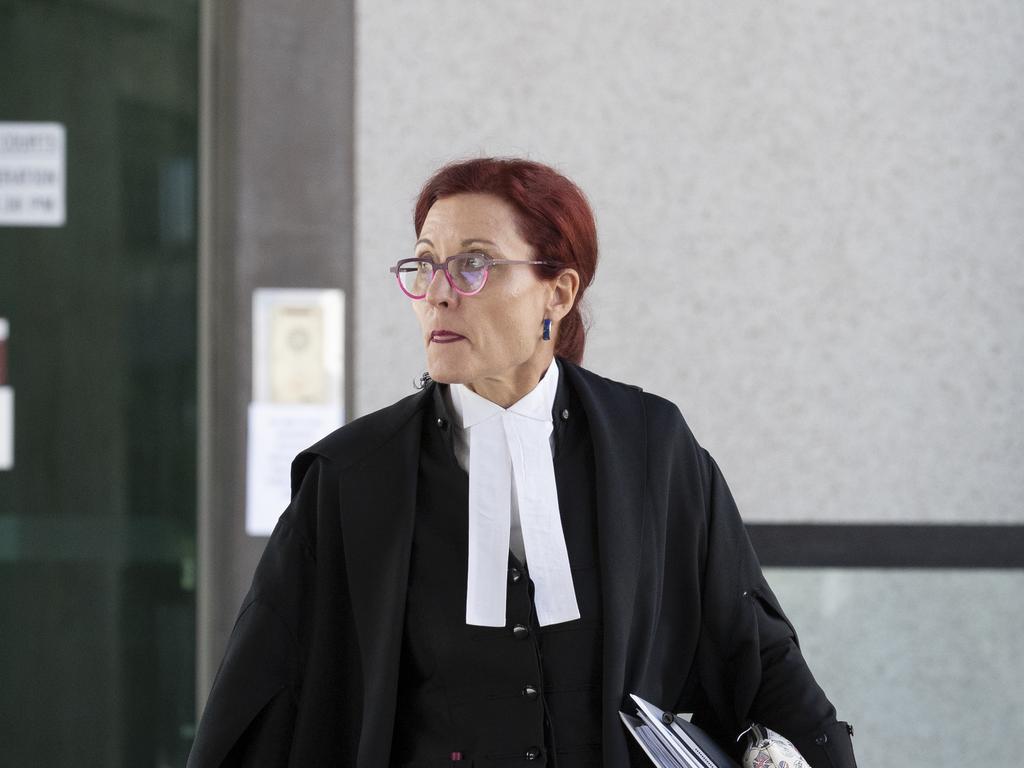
(310, 675)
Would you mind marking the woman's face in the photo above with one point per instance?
(491, 341)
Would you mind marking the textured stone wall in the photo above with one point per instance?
(811, 219)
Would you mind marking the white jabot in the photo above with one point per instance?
(511, 470)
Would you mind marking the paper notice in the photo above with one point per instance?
(32, 174)
(277, 432)
(6, 428)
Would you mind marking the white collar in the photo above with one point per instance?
(510, 465)
(469, 408)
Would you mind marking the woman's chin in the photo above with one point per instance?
(444, 368)
(444, 372)
(442, 377)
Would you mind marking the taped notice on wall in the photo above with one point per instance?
(297, 384)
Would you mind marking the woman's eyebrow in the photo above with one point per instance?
(465, 243)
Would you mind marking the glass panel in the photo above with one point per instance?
(97, 516)
(925, 664)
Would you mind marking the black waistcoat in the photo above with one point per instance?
(515, 695)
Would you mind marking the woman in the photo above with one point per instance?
(481, 573)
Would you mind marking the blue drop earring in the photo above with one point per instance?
(547, 329)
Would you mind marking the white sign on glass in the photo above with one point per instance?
(297, 384)
(6, 403)
(32, 174)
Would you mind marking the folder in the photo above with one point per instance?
(671, 741)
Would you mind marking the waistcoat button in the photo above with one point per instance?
(442, 423)
(565, 414)
(520, 632)
(532, 753)
(530, 692)
(515, 573)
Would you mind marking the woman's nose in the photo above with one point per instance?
(440, 291)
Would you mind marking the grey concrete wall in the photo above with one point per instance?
(810, 217)
(277, 212)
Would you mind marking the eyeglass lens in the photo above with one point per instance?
(468, 272)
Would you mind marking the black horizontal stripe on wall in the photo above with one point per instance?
(858, 545)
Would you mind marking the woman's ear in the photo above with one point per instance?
(563, 293)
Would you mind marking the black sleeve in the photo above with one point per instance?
(250, 714)
(750, 660)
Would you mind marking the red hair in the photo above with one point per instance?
(552, 215)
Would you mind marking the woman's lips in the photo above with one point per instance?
(445, 337)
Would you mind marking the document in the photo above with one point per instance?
(670, 741)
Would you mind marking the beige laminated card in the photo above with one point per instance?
(298, 373)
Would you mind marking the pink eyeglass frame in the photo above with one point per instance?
(442, 266)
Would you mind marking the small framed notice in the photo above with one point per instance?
(32, 174)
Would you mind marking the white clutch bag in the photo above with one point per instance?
(767, 749)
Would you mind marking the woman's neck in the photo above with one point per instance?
(508, 389)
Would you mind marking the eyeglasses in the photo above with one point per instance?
(466, 273)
